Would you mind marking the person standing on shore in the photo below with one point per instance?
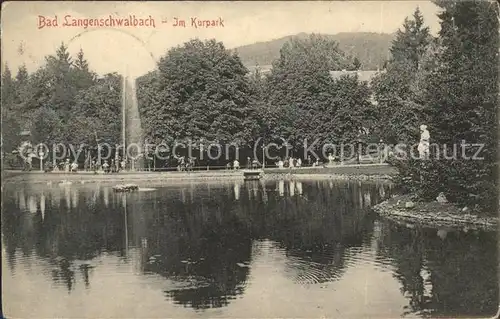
(117, 164)
(280, 163)
(423, 146)
(255, 164)
(105, 166)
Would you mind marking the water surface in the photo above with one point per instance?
(245, 249)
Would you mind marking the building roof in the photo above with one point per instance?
(362, 75)
(262, 68)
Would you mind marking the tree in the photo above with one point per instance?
(83, 77)
(411, 42)
(305, 98)
(356, 64)
(21, 82)
(264, 120)
(199, 92)
(351, 111)
(97, 111)
(62, 88)
(157, 113)
(22, 74)
(10, 130)
(46, 126)
(8, 89)
(400, 106)
(462, 95)
(459, 93)
(10, 123)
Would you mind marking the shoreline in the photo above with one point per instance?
(433, 214)
(353, 172)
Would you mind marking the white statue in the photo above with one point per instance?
(423, 146)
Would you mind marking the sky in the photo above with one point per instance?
(135, 50)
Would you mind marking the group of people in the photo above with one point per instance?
(289, 162)
(113, 166)
(108, 167)
(185, 164)
(250, 164)
(65, 166)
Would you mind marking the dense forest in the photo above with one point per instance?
(372, 49)
(202, 91)
(61, 102)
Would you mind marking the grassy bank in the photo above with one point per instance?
(434, 214)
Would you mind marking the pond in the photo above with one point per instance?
(259, 249)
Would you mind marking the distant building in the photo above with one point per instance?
(362, 75)
(263, 69)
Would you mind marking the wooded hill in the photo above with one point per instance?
(372, 49)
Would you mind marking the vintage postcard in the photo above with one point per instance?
(250, 159)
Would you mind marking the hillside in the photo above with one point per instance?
(372, 49)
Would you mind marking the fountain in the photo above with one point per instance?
(131, 124)
(131, 130)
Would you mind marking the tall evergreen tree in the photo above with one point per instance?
(22, 74)
(462, 95)
(10, 123)
(22, 82)
(400, 107)
(410, 42)
(8, 89)
(62, 88)
(306, 99)
(80, 62)
(83, 77)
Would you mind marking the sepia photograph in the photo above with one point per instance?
(250, 159)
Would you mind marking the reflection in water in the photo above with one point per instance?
(265, 197)
(442, 233)
(292, 188)
(237, 191)
(74, 198)
(223, 244)
(444, 272)
(299, 188)
(22, 200)
(42, 205)
(67, 195)
(32, 204)
(281, 187)
(183, 195)
(106, 196)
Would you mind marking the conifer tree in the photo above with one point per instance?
(463, 99)
(400, 109)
